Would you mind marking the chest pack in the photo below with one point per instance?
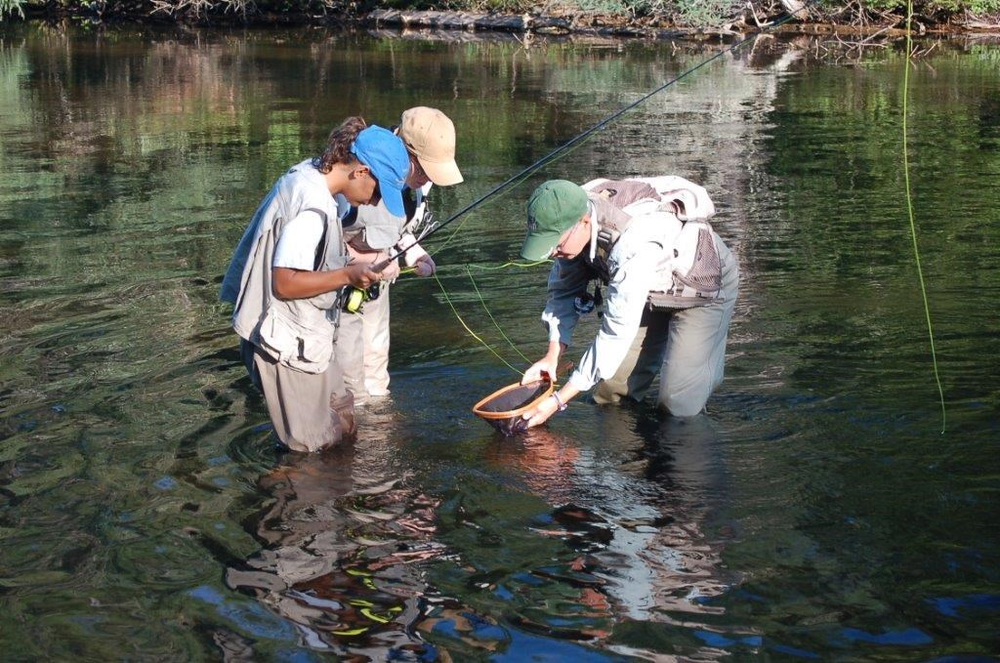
(690, 271)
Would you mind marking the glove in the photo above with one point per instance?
(425, 266)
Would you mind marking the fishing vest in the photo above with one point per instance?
(373, 228)
(298, 333)
(690, 272)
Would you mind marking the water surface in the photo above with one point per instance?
(817, 512)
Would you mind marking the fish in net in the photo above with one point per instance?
(503, 408)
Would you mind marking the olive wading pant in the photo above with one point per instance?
(363, 348)
(686, 346)
(310, 411)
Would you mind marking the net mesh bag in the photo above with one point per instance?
(706, 273)
(503, 408)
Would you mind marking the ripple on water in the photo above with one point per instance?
(255, 448)
(827, 494)
(167, 561)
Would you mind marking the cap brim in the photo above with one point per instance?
(539, 246)
(393, 199)
(441, 173)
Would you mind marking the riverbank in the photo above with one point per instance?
(614, 18)
(655, 28)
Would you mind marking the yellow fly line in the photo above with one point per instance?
(909, 207)
(469, 329)
(492, 319)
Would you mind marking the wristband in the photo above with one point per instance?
(562, 406)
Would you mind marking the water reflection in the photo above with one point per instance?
(608, 546)
(667, 553)
(344, 533)
(352, 545)
(682, 562)
(819, 512)
(347, 537)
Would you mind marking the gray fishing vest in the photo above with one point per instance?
(690, 273)
(298, 333)
(373, 228)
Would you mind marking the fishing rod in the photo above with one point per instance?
(554, 154)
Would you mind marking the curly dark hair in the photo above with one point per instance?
(338, 145)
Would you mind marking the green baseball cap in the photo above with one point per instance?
(552, 210)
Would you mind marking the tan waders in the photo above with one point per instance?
(687, 347)
(309, 411)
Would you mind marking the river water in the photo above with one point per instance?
(817, 512)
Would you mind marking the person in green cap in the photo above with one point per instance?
(671, 289)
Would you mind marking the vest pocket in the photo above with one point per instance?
(705, 272)
(697, 267)
(295, 345)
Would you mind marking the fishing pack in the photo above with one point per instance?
(690, 271)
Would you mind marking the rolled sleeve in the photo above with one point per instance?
(299, 240)
(567, 280)
(628, 292)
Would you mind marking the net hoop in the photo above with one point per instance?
(478, 410)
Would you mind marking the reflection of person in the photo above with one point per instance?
(671, 282)
(373, 233)
(680, 568)
(287, 273)
(645, 549)
(344, 539)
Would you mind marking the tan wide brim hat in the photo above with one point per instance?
(430, 135)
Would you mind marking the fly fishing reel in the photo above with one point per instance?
(355, 298)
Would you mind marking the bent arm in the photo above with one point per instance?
(412, 252)
(302, 284)
(293, 266)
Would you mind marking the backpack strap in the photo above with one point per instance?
(611, 223)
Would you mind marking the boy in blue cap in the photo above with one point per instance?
(287, 274)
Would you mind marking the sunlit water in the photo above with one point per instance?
(818, 511)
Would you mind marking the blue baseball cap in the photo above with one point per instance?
(385, 154)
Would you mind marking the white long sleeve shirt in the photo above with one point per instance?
(634, 264)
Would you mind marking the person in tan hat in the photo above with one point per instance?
(430, 137)
(373, 233)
